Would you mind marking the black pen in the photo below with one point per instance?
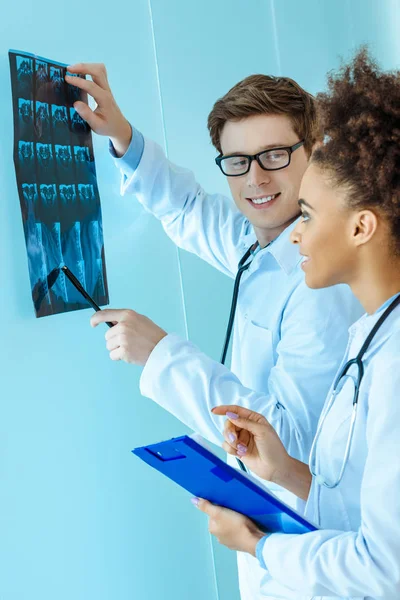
(75, 282)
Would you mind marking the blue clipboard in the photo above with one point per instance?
(197, 469)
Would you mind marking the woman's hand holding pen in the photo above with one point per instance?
(250, 437)
(107, 119)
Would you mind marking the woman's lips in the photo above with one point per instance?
(304, 262)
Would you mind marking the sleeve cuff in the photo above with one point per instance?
(259, 551)
(156, 361)
(129, 162)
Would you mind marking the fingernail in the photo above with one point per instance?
(232, 415)
(194, 501)
(241, 449)
(231, 437)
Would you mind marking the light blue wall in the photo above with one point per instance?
(79, 516)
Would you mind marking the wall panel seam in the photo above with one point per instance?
(217, 596)
(178, 257)
(275, 35)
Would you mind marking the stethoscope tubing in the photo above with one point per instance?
(242, 267)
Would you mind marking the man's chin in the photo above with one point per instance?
(270, 221)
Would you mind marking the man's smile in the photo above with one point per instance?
(258, 202)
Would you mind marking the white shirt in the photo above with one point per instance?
(288, 339)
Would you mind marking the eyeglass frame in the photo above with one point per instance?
(251, 157)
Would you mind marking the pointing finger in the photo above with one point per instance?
(108, 314)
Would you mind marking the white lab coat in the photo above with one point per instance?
(287, 341)
(357, 552)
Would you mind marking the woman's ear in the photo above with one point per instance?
(364, 227)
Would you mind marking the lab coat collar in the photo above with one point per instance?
(284, 252)
(361, 328)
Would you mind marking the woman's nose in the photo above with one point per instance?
(295, 236)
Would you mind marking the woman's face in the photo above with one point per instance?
(325, 231)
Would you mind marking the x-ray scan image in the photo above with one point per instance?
(57, 185)
(27, 158)
(24, 67)
(41, 74)
(45, 163)
(74, 93)
(42, 122)
(61, 131)
(25, 119)
(78, 125)
(57, 84)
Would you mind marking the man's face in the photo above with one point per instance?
(250, 136)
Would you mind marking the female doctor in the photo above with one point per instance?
(349, 233)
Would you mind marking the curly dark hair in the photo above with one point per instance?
(360, 116)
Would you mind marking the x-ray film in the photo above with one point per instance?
(56, 177)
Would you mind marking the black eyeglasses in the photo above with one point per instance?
(274, 159)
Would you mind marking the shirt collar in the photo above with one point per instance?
(364, 325)
(386, 304)
(284, 252)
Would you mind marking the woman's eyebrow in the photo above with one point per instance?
(303, 202)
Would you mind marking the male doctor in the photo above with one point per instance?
(264, 130)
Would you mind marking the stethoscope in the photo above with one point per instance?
(243, 265)
(357, 361)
